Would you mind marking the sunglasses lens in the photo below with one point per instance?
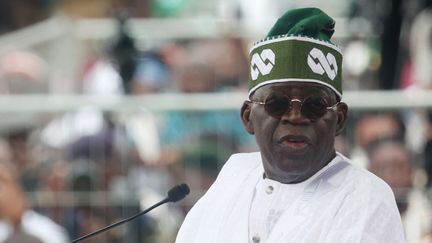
(314, 107)
(276, 106)
(311, 108)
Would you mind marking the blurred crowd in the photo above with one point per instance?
(74, 172)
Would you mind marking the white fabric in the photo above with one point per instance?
(417, 218)
(340, 203)
(36, 225)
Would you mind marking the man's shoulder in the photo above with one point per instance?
(244, 160)
(363, 180)
(241, 164)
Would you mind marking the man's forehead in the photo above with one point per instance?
(294, 88)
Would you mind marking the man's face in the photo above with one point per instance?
(293, 146)
(393, 164)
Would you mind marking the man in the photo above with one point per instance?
(297, 188)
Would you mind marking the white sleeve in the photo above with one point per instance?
(230, 177)
(368, 219)
(191, 224)
(43, 228)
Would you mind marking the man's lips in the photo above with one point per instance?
(294, 141)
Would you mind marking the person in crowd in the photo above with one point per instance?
(18, 222)
(297, 188)
(373, 126)
(179, 128)
(391, 160)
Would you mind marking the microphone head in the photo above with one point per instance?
(178, 193)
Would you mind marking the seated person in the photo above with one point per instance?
(18, 223)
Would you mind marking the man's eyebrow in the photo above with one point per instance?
(317, 90)
(323, 90)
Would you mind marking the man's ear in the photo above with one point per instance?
(342, 115)
(245, 113)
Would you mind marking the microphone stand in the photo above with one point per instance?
(121, 221)
(175, 194)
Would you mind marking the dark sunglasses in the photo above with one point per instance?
(313, 107)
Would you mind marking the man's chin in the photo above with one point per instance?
(294, 151)
(290, 174)
(293, 168)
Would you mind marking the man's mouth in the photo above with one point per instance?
(295, 142)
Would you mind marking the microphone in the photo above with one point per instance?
(175, 194)
(178, 192)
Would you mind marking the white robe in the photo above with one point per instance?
(36, 225)
(340, 203)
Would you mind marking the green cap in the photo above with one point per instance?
(298, 48)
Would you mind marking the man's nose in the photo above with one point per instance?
(294, 114)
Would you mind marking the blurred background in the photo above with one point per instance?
(106, 104)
